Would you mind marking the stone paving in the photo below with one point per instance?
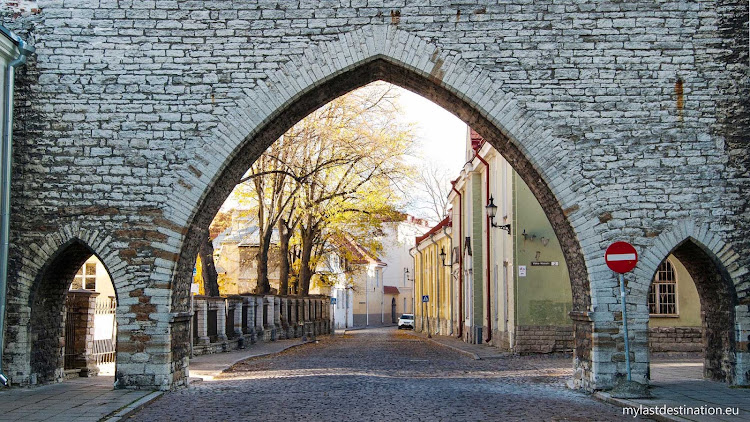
(474, 351)
(383, 374)
(79, 399)
(93, 399)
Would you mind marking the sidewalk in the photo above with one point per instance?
(474, 351)
(679, 382)
(78, 399)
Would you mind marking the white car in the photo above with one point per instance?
(406, 321)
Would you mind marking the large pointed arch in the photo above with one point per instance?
(331, 69)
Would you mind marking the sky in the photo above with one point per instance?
(442, 135)
(441, 141)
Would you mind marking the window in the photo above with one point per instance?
(662, 296)
(85, 277)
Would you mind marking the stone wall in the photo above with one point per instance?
(543, 339)
(675, 339)
(135, 119)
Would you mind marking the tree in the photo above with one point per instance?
(432, 185)
(333, 172)
(208, 268)
(275, 185)
(359, 132)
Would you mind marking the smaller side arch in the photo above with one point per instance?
(712, 264)
(42, 282)
(47, 311)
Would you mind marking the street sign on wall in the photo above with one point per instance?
(621, 257)
(425, 298)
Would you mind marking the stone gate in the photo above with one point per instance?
(134, 120)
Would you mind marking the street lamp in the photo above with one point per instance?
(492, 212)
(442, 258)
(406, 276)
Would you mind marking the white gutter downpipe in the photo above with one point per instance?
(5, 175)
(413, 279)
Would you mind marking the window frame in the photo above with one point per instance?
(84, 276)
(665, 268)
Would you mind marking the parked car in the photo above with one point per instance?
(406, 321)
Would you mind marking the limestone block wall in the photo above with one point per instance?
(543, 339)
(134, 120)
(675, 339)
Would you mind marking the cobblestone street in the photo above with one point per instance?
(383, 374)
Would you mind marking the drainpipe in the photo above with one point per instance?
(413, 279)
(421, 282)
(425, 306)
(445, 232)
(5, 170)
(439, 268)
(460, 264)
(487, 260)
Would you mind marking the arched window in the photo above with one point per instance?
(662, 296)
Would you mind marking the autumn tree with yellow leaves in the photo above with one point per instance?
(335, 173)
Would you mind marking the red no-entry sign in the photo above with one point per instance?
(621, 257)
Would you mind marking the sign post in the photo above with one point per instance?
(621, 257)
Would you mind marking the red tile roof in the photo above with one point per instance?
(390, 290)
(446, 221)
(359, 255)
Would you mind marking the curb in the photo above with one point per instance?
(133, 407)
(198, 379)
(623, 403)
(454, 348)
(267, 353)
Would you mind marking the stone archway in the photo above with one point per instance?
(47, 303)
(132, 138)
(712, 266)
(49, 270)
(335, 68)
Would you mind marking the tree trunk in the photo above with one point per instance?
(305, 272)
(208, 268)
(284, 266)
(264, 286)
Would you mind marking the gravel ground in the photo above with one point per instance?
(379, 375)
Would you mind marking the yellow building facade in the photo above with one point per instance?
(434, 281)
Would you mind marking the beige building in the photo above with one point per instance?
(235, 252)
(380, 289)
(94, 276)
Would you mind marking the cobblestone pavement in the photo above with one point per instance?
(379, 375)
